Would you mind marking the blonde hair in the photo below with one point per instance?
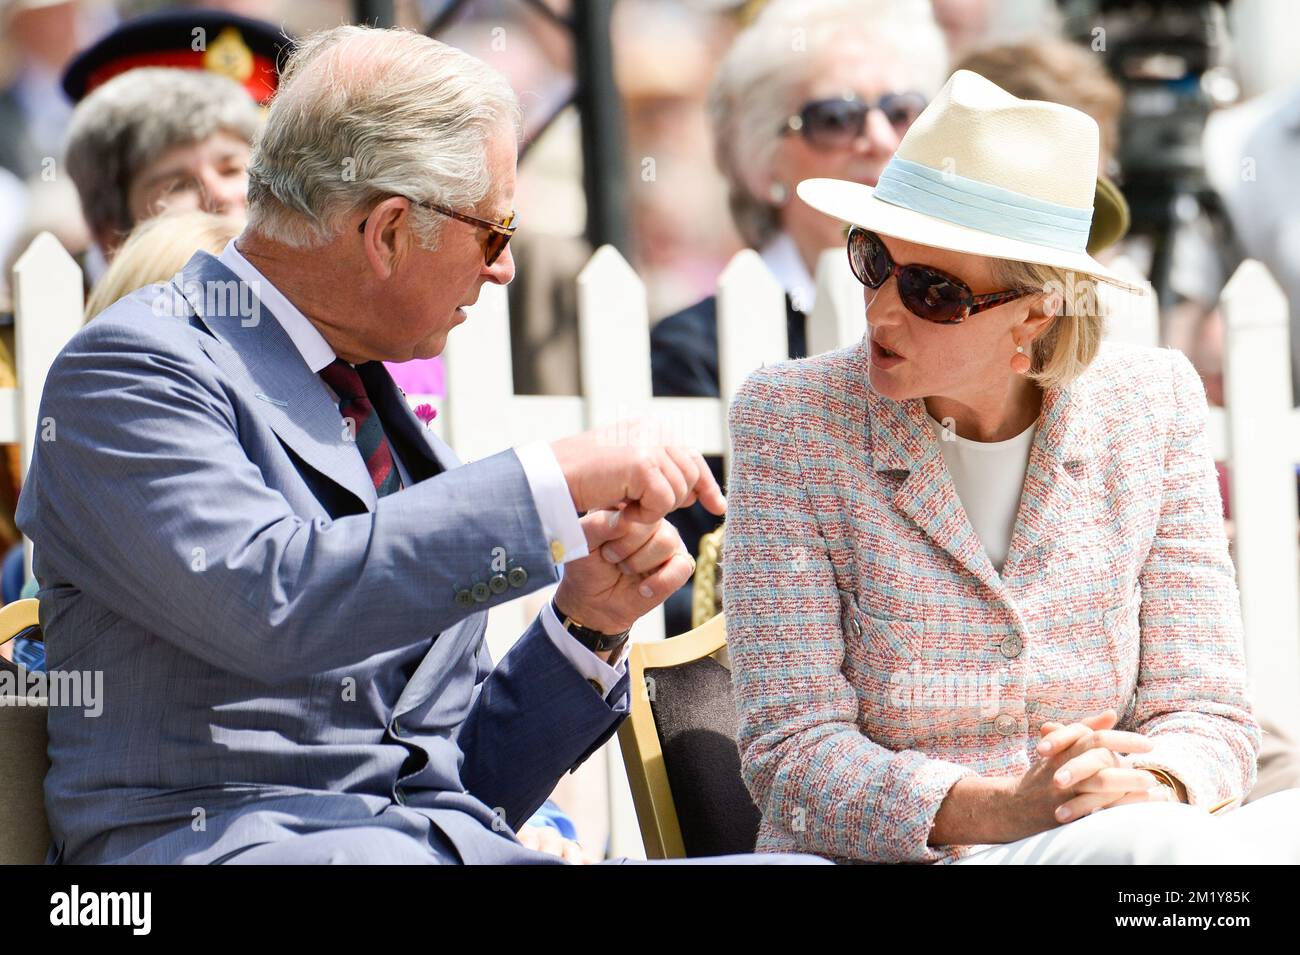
(156, 250)
(1062, 352)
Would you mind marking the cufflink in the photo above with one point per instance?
(557, 552)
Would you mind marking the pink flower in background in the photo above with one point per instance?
(426, 413)
(420, 376)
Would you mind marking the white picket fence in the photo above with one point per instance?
(1259, 435)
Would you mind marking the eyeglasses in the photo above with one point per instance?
(926, 292)
(832, 123)
(499, 233)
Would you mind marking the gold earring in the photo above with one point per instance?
(1020, 361)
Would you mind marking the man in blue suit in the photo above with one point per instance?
(280, 573)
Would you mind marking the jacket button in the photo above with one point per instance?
(464, 598)
(517, 576)
(480, 592)
(497, 583)
(1011, 646)
(1006, 724)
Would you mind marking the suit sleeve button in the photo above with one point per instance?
(497, 583)
(464, 598)
(480, 592)
(517, 577)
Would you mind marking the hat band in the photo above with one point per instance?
(979, 205)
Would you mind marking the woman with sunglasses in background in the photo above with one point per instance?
(810, 89)
(979, 602)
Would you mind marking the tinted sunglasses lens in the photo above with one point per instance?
(869, 258)
(929, 295)
(496, 244)
(901, 109)
(829, 122)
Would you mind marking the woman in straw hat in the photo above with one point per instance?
(977, 583)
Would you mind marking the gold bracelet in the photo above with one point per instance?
(1166, 780)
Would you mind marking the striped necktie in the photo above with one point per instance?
(370, 438)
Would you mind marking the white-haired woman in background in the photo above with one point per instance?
(811, 89)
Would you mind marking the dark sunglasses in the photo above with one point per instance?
(499, 233)
(827, 123)
(926, 292)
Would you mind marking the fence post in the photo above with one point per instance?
(48, 309)
(752, 329)
(479, 376)
(614, 359)
(614, 339)
(1257, 380)
(838, 317)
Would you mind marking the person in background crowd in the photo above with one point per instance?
(820, 89)
(43, 36)
(156, 140)
(159, 248)
(163, 125)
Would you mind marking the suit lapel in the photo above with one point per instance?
(901, 439)
(257, 353)
(1062, 445)
(423, 452)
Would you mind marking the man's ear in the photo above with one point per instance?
(386, 237)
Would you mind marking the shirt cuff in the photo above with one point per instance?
(590, 666)
(554, 503)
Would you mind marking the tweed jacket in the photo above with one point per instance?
(878, 656)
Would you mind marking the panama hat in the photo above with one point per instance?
(986, 173)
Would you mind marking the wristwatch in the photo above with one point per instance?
(593, 640)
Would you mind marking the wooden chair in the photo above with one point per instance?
(679, 746)
(24, 836)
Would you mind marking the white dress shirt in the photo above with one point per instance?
(782, 258)
(989, 477)
(545, 479)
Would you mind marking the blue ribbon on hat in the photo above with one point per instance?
(980, 205)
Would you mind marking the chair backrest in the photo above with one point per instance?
(24, 835)
(679, 746)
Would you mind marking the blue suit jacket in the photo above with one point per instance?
(282, 652)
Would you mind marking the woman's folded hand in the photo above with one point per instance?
(1083, 768)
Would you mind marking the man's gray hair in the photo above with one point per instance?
(133, 119)
(763, 77)
(362, 114)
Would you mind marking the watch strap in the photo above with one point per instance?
(593, 640)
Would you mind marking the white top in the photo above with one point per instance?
(545, 479)
(989, 476)
(782, 258)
